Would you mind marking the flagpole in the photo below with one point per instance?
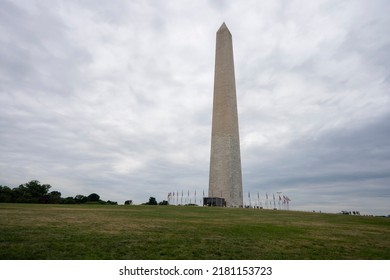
(274, 200)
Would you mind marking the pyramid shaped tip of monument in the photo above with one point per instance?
(223, 27)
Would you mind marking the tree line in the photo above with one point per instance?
(35, 192)
(153, 201)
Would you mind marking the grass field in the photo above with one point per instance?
(175, 232)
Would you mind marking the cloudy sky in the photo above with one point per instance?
(115, 97)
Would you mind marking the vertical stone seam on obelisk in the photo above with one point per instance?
(225, 160)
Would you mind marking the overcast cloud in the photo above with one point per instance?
(115, 97)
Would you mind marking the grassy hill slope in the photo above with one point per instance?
(176, 232)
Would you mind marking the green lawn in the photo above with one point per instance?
(177, 232)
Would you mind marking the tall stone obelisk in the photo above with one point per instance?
(225, 162)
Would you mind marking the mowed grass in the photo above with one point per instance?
(176, 232)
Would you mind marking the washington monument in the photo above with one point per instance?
(225, 162)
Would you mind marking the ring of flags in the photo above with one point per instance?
(175, 198)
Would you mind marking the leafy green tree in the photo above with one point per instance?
(93, 197)
(112, 202)
(80, 198)
(68, 200)
(35, 189)
(164, 202)
(152, 201)
(54, 197)
(21, 194)
(31, 192)
(6, 194)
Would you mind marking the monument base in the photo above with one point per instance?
(214, 201)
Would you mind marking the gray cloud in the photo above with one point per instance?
(116, 98)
